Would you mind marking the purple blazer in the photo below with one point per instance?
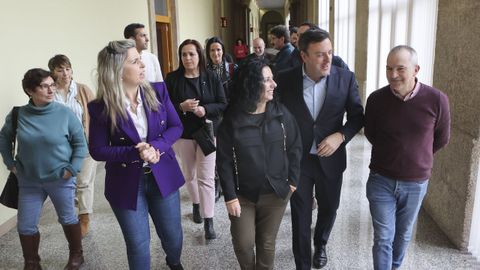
(123, 163)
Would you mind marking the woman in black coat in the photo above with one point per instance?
(198, 96)
(258, 161)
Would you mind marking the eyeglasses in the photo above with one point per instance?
(45, 86)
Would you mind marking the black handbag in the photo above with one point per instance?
(205, 138)
(9, 196)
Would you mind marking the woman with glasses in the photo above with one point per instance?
(133, 126)
(50, 150)
(258, 161)
(76, 96)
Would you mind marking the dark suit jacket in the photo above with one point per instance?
(123, 163)
(342, 96)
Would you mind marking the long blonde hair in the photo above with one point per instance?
(110, 63)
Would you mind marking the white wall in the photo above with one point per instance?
(34, 31)
(195, 20)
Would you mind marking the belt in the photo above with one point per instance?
(147, 170)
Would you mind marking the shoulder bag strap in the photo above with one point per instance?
(14, 126)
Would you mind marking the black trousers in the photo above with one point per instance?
(327, 193)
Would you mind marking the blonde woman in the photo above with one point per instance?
(133, 127)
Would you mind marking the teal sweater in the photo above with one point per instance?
(50, 140)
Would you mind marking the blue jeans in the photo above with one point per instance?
(394, 206)
(165, 213)
(32, 195)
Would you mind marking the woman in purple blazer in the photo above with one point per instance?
(133, 127)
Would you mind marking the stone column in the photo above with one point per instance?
(451, 190)
(361, 47)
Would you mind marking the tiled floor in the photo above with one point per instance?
(349, 246)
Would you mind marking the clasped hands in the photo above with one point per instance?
(148, 153)
(191, 105)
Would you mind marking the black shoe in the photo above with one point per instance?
(196, 213)
(176, 266)
(319, 257)
(209, 231)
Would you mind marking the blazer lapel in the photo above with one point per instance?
(299, 96)
(129, 128)
(332, 85)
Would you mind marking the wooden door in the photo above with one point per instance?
(164, 46)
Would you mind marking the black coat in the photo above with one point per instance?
(342, 96)
(211, 96)
(270, 152)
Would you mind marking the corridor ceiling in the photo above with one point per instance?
(270, 4)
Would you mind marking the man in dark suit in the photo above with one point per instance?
(318, 95)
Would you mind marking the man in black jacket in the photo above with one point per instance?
(318, 95)
(281, 41)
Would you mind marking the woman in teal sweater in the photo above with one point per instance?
(51, 148)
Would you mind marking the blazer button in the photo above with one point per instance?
(124, 165)
(163, 122)
(122, 139)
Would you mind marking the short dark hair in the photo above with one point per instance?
(33, 78)
(310, 25)
(311, 36)
(58, 60)
(281, 31)
(129, 30)
(198, 48)
(293, 29)
(209, 43)
(249, 85)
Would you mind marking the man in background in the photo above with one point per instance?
(280, 37)
(136, 32)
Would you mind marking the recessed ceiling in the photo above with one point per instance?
(270, 4)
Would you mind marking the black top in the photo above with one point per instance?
(192, 87)
(258, 120)
(207, 88)
(258, 154)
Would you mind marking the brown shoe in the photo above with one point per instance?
(84, 221)
(74, 238)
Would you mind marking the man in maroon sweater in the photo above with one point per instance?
(406, 122)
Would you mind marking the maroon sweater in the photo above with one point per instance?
(405, 134)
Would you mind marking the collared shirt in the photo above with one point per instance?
(139, 117)
(153, 72)
(409, 95)
(71, 102)
(314, 94)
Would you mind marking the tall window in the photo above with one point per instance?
(344, 31)
(324, 14)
